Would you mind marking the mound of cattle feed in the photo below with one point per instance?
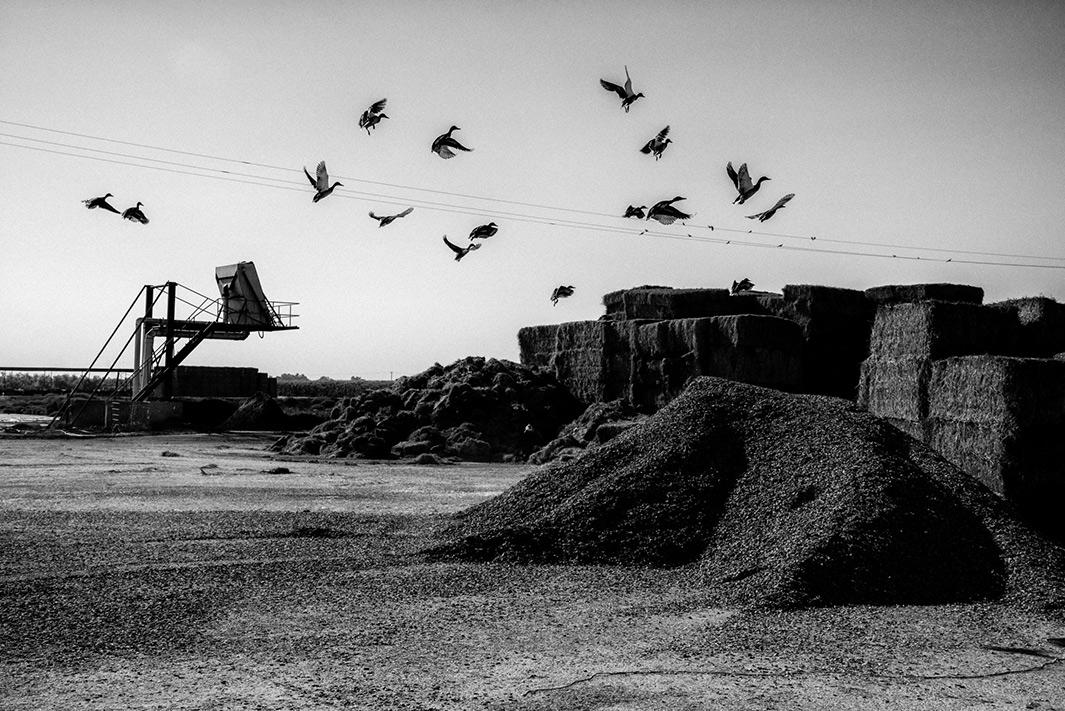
(473, 409)
(775, 500)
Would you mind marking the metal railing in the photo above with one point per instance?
(214, 309)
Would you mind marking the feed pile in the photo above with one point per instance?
(259, 412)
(473, 409)
(775, 500)
(600, 423)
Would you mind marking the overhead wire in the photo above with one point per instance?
(348, 193)
(556, 208)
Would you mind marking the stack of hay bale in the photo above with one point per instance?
(835, 333)
(979, 384)
(761, 350)
(653, 339)
(914, 327)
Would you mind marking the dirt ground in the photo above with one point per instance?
(174, 572)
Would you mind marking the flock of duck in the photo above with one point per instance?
(445, 145)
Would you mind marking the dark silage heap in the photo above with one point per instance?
(473, 409)
(776, 500)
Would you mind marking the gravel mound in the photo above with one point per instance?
(474, 409)
(775, 500)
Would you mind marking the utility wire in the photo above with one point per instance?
(279, 183)
(556, 208)
(286, 168)
(537, 205)
(516, 202)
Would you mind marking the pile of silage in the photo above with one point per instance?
(259, 412)
(474, 409)
(777, 500)
(600, 423)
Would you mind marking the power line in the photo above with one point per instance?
(555, 208)
(296, 186)
(286, 168)
(523, 203)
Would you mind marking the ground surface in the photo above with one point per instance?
(130, 579)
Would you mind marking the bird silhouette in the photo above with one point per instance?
(93, 203)
(134, 214)
(657, 144)
(461, 252)
(742, 181)
(373, 115)
(625, 92)
(637, 212)
(388, 219)
(484, 231)
(665, 213)
(743, 284)
(763, 216)
(321, 184)
(560, 292)
(444, 143)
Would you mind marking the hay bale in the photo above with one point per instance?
(762, 350)
(939, 329)
(903, 293)
(1038, 323)
(896, 388)
(592, 359)
(537, 345)
(663, 303)
(907, 338)
(1001, 420)
(579, 360)
(835, 326)
(776, 500)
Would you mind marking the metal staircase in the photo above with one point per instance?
(190, 316)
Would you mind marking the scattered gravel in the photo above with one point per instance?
(778, 500)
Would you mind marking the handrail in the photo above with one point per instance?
(98, 354)
(104, 378)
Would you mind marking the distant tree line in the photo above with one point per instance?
(40, 383)
(299, 385)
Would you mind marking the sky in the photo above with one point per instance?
(932, 128)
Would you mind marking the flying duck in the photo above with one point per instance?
(484, 231)
(96, 202)
(763, 216)
(657, 144)
(637, 212)
(444, 143)
(373, 115)
(625, 92)
(742, 181)
(322, 183)
(743, 284)
(560, 292)
(135, 214)
(665, 213)
(461, 252)
(387, 219)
